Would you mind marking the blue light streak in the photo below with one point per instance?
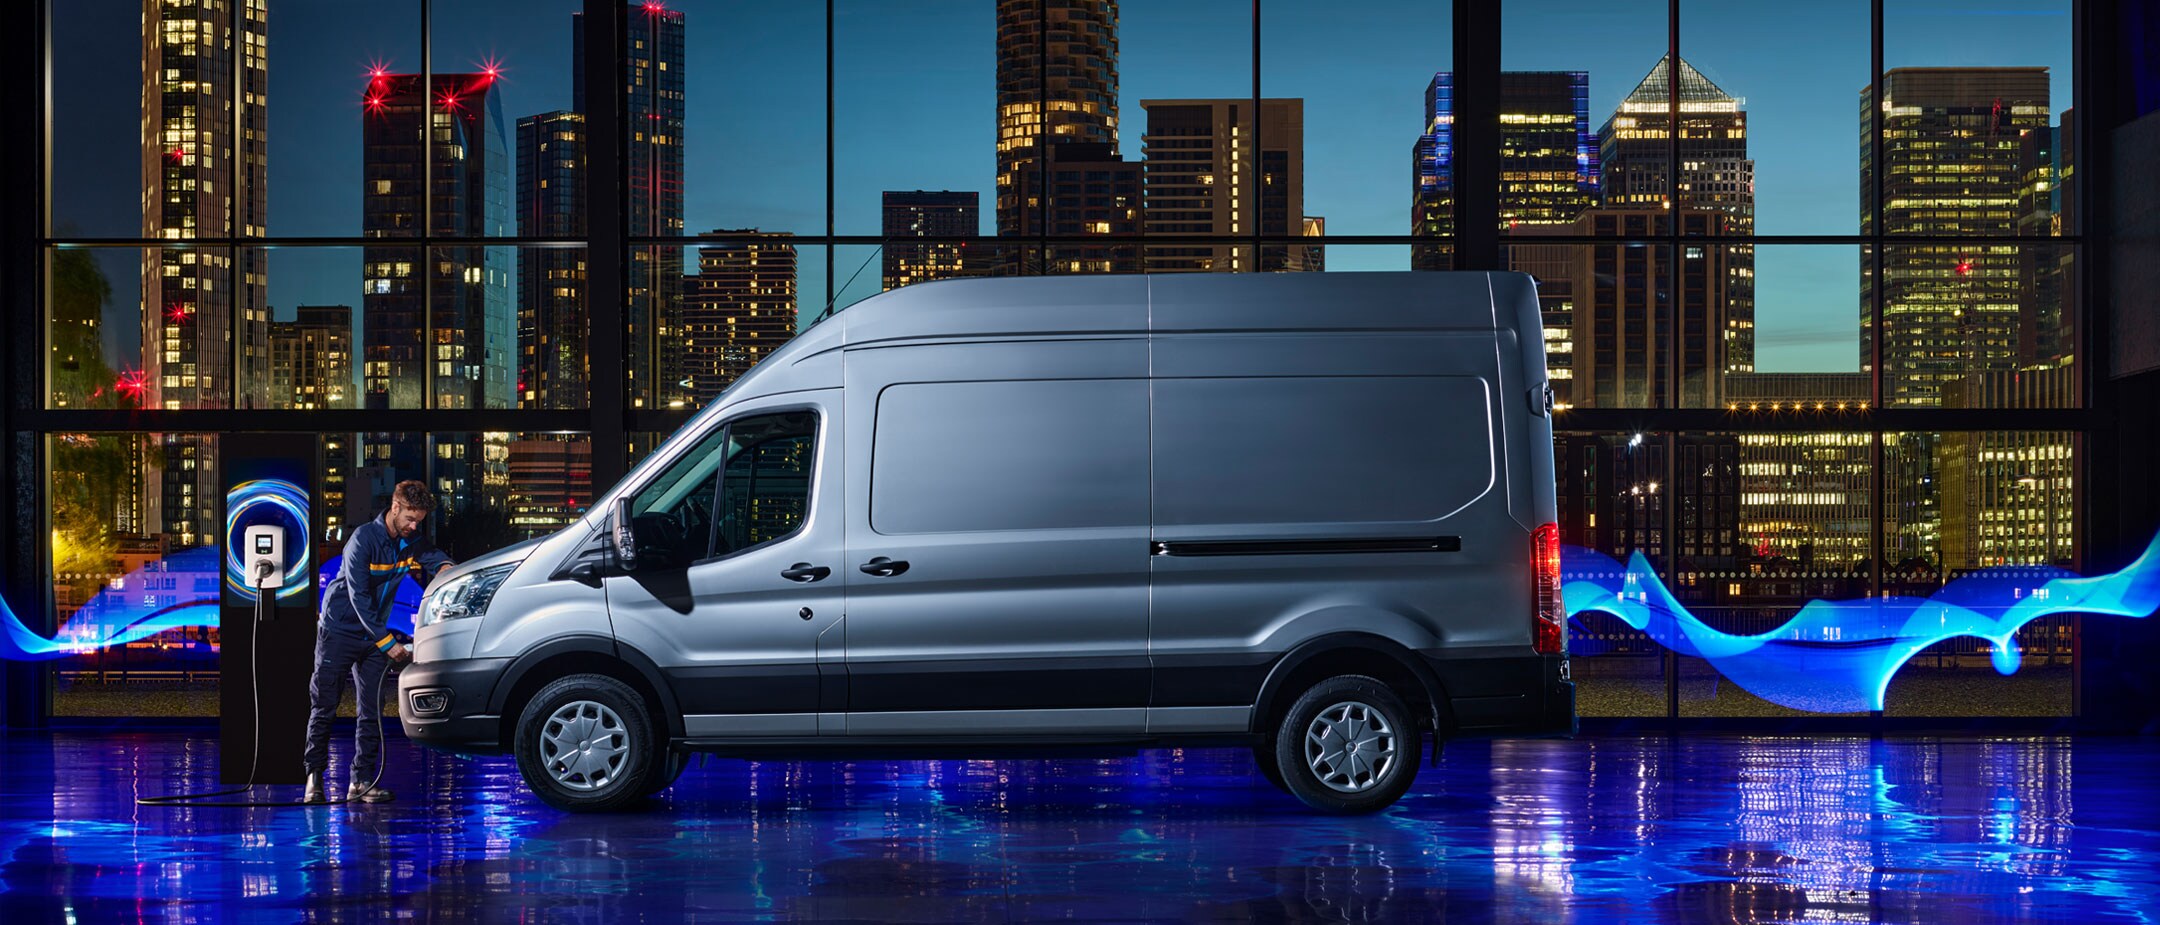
(174, 593)
(1839, 656)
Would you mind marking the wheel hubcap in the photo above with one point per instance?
(584, 745)
(1350, 747)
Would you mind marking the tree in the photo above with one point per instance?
(90, 475)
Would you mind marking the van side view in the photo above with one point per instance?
(1310, 514)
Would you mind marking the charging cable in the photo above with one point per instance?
(265, 604)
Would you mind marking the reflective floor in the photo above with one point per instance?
(1718, 829)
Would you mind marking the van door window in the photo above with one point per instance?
(765, 493)
(746, 483)
(673, 515)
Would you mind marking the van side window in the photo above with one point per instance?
(765, 494)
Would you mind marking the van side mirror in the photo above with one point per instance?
(625, 538)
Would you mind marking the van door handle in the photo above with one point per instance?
(805, 572)
(883, 567)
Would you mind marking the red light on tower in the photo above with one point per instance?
(655, 7)
(178, 313)
(132, 383)
(178, 155)
(491, 68)
(1964, 268)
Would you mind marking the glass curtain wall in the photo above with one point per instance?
(1810, 303)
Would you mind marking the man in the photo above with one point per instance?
(353, 633)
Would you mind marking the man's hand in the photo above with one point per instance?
(400, 656)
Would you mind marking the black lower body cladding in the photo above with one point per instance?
(463, 723)
(1524, 695)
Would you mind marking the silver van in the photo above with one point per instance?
(1310, 514)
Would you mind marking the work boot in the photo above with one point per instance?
(314, 787)
(362, 793)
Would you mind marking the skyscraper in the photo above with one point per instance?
(1629, 303)
(653, 112)
(204, 313)
(1211, 171)
(460, 293)
(1624, 303)
(1715, 175)
(738, 309)
(551, 367)
(311, 359)
(927, 213)
(437, 329)
(1093, 192)
(2046, 207)
(1548, 162)
(1634, 145)
(1057, 83)
(1951, 136)
(1554, 268)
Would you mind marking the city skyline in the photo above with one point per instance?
(1749, 521)
(1806, 173)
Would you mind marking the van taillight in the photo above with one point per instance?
(1548, 621)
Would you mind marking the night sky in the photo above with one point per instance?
(914, 85)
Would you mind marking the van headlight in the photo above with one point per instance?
(466, 596)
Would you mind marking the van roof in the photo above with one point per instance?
(1130, 304)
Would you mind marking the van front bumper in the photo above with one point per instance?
(444, 704)
(1514, 695)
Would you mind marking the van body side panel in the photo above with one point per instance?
(1010, 477)
(1379, 418)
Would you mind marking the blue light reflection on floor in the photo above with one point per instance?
(1590, 830)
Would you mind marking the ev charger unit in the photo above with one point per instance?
(265, 570)
(268, 591)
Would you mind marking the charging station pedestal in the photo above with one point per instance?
(263, 670)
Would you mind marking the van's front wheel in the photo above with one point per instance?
(585, 744)
(1349, 745)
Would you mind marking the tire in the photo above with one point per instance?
(1378, 719)
(600, 767)
(668, 770)
(1263, 756)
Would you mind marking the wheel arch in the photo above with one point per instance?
(580, 654)
(1323, 657)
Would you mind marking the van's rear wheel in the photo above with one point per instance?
(585, 744)
(1348, 745)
